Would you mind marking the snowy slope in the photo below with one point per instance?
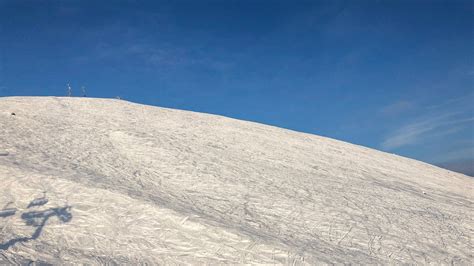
(108, 181)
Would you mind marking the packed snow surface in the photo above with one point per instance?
(108, 181)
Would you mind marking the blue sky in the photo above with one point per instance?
(392, 75)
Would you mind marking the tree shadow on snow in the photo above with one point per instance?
(7, 212)
(36, 219)
(38, 202)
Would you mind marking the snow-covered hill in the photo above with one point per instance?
(109, 181)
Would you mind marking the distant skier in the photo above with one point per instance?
(83, 91)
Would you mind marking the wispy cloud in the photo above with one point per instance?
(397, 108)
(412, 133)
(150, 55)
(434, 122)
(449, 102)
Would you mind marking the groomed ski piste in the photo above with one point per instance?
(105, 181)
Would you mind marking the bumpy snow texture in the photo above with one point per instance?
(108, 181)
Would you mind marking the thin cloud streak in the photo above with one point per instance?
(397, 108)
(433, 123)
(414, 132)
(459, 100)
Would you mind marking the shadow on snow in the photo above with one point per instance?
(36, 219)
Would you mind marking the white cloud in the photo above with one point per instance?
(433, 123)
(397, 108)
(414, 132)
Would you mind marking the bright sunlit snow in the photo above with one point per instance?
(108, 181)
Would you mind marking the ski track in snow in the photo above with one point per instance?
(108, 181)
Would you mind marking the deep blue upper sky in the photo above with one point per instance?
(392, 75)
